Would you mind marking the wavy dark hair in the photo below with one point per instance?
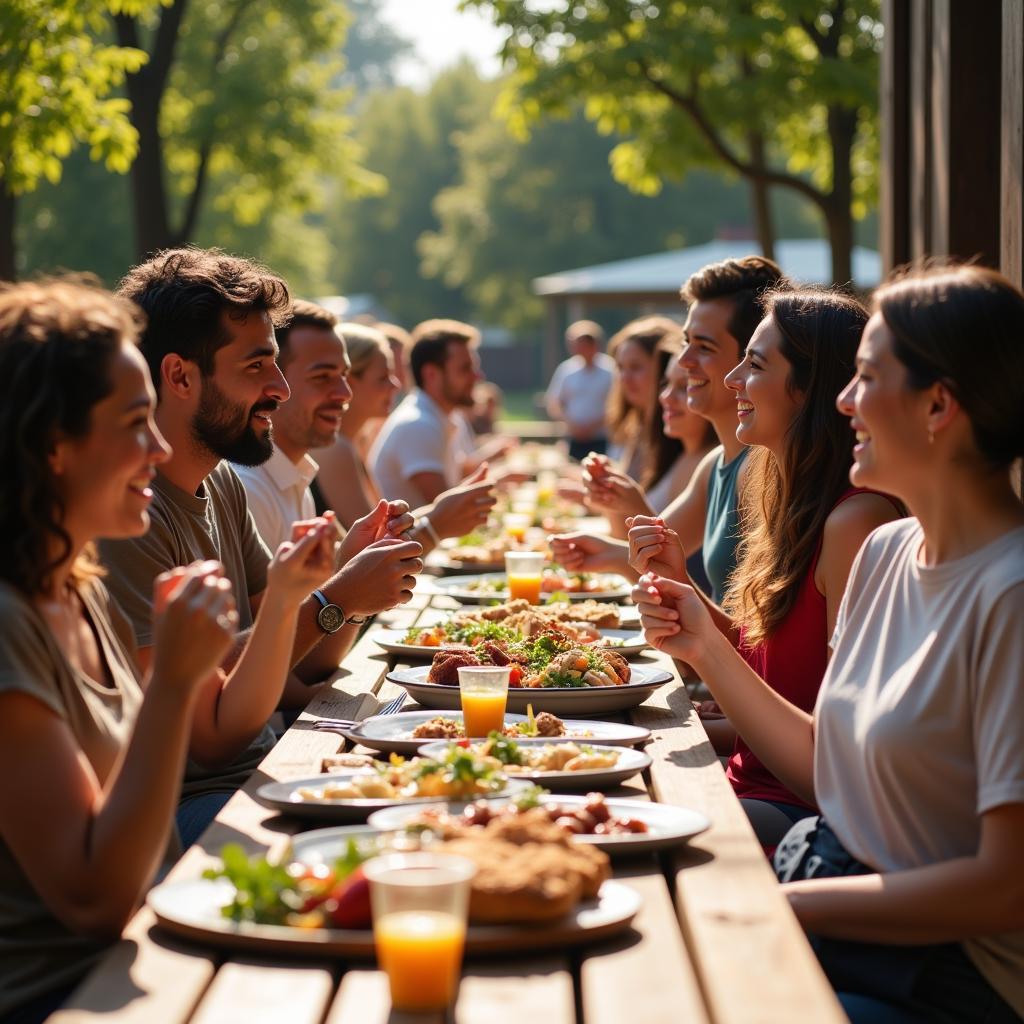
(785, 507)
(183, 293)
(57, 340)
(964, 326)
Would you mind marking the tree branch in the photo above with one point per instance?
(688, 103)
(195, 198)
(167, 33)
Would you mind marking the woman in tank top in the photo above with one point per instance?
(910, 882)
(802, 523)
(91, 766)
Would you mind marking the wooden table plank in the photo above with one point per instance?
(646, 976)
(750, 954)
(265, 992)
(142, 979)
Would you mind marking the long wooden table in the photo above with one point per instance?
(714, 943)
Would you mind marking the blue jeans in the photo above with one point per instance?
(195, 813)
(883, 984)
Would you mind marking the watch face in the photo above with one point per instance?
(331, 618)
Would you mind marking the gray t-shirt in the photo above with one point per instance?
(215, 523)
(920, 717)
(38, 953)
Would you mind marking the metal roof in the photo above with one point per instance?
(806, 260)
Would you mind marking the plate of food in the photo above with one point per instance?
(565, 765)
(315, 901)
(619, 827)
(561, 680)
(423, 641)
(493, 586)
(407, 731)
(351, 795)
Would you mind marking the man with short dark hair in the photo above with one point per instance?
(414, 457)
(211, 349)
(579, 388)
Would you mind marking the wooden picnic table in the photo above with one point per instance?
(714, 942)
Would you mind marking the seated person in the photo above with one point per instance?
(92, 750)
(210, 347)
(909, 882)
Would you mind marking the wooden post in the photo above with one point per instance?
(896, 113)
(1011, 254)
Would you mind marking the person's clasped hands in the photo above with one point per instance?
(583, 552)
(462, 509)
(194, 624)
(655, 547)
(673, 617)
(610, 490)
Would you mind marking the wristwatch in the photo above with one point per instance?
(331, 617)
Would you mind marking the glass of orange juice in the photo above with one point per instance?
(419, 903)
(484, 691)
(524, 569)
(516, 525)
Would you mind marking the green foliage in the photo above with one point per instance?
(688, 83)
(56, 80)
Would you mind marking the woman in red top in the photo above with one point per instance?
(803, 523)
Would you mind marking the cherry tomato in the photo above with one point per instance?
(349, 905)
(515, 675)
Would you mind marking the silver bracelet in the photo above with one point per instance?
(425, 521)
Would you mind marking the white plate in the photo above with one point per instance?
(284, 797)
(192, 909)
(458, 587)
(630, 762)
(390, 640)
(393, 733)
(667, 825)
(575, 700)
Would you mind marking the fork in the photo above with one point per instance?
(392, 707)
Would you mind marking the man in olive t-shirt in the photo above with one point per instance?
(209, 343)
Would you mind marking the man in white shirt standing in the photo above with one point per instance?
(414, 457)
(578, 392)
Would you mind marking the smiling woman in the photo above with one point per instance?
(78, 448)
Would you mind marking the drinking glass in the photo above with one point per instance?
(484, 692)
(419, 903)
(524, 569)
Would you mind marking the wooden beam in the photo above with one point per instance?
(1011, 176)
(895, 87)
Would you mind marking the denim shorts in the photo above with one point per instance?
(887, 984)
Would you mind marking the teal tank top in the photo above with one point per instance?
(722, 523)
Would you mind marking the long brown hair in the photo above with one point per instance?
(57, 341)
(628, 425)
(785, 507)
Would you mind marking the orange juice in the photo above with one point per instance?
(525, 587)
(516, 532)
(421, 952)
(483, 712)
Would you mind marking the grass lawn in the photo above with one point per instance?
(519, 406)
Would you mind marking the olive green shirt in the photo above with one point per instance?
(214, 523)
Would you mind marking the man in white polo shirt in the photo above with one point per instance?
(578, 392)
(414, 457)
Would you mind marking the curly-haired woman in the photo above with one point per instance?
(92, 756)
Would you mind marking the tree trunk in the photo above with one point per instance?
(8, 250)
(760, 196)
(842, 127)
(149, 188)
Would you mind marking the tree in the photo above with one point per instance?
(740, 83)
(409, 139)
(240, 92)
(522, 208)
(56, 80)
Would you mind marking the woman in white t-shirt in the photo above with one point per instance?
(910, 884)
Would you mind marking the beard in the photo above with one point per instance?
(459, 399)
(225, 429)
